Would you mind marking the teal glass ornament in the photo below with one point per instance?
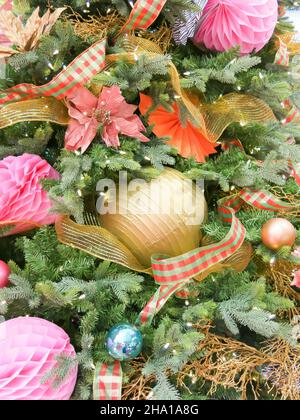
(124, 342)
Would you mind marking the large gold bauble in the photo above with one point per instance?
(170, 227)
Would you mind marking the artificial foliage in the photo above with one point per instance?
(237, 336)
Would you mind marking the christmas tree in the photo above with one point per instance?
(149, 200)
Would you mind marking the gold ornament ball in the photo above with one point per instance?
(149, 221)
(277, 233)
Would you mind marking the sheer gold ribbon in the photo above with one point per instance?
(42, 109)
(136, 47)
(289, 40)
(234, 107)
(213, 118)
(100, 243)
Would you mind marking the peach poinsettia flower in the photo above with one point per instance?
(24, 36)
(109, 113)
(189, 140)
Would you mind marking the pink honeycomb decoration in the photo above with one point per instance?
(28, 350)
(230, 23)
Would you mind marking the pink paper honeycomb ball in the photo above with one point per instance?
(28, 350)
(230, 23)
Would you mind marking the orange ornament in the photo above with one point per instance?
(190, 141)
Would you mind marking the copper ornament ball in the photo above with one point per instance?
(277, 233)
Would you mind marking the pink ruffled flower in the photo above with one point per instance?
(296, 281)
(22, 199)
(110, 112)
(4, 40)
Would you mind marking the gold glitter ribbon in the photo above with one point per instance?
(42, 109)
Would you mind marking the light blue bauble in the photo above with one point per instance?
(124, 342)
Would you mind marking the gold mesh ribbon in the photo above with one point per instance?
(42, 109)
(234, 107)
(135, 47)
(213, 118)
(289, 40)
(98, 242)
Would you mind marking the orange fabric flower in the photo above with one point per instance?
(188, 140)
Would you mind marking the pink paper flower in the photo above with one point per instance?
(296, 281)
(109, 112)
(22, 199)
(225, 24)
(4, 40)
